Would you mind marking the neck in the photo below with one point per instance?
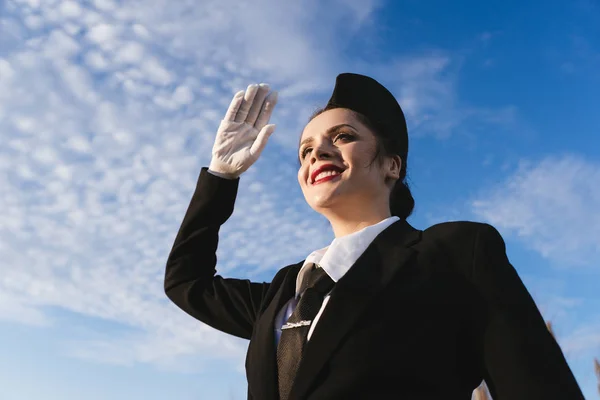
(345, 223)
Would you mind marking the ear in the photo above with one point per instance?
(394, 167)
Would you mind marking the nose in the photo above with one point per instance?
(321, 153)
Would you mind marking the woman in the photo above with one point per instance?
(385, 311)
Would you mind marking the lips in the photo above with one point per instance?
(323, 168)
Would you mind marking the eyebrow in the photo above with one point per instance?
(329, 131)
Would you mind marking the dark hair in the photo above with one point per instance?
(402, 202)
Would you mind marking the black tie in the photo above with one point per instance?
(315, 285)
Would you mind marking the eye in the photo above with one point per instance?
(303, 154)
(345, 136)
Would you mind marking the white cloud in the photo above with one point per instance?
(141, 31)
(70, 9)
(105, 5)
(102, 33)
(60, 45)
(130, 53)
(156, 72)
(183, 95)
(45, 155)
(96, 60)
(18, 309)
(78, 81)
(33, 22)
(552, 205)
(6, 71)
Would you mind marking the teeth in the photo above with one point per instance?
(325, 173)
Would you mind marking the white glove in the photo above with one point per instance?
(243, 133)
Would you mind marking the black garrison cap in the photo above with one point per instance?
(365, 95)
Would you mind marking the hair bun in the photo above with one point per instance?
(402, 202)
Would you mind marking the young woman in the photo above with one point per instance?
(386, 311)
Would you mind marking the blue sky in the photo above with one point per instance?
(108, 110)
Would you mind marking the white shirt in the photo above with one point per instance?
(336, 260)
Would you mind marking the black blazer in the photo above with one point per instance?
(420, 315)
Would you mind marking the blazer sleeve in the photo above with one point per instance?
(521, 359)
(229, 305)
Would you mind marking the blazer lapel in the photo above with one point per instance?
(261, 359)
(370, 274)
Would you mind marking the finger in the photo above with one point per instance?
(261, 140)
(236, 102)
(247, 103)
(267, 110)
(263, 90)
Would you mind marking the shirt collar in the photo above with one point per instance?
(337, 258)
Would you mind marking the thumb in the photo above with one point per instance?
(261, 140)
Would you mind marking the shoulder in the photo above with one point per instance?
(462, 242)
(460, 231)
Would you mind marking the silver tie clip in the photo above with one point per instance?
(290, 325)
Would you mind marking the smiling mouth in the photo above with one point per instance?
(326, 177)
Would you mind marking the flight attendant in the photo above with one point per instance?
(386, 311)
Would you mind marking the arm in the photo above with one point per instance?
(229, 305)
(521, 359)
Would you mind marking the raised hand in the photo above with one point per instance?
(243, 133)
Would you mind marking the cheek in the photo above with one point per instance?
(361, 156)
(301, 177)
(356, 156)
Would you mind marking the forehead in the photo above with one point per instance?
(321, 123)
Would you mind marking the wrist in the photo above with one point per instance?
(222, 174)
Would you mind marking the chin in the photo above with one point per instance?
(323, 203)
